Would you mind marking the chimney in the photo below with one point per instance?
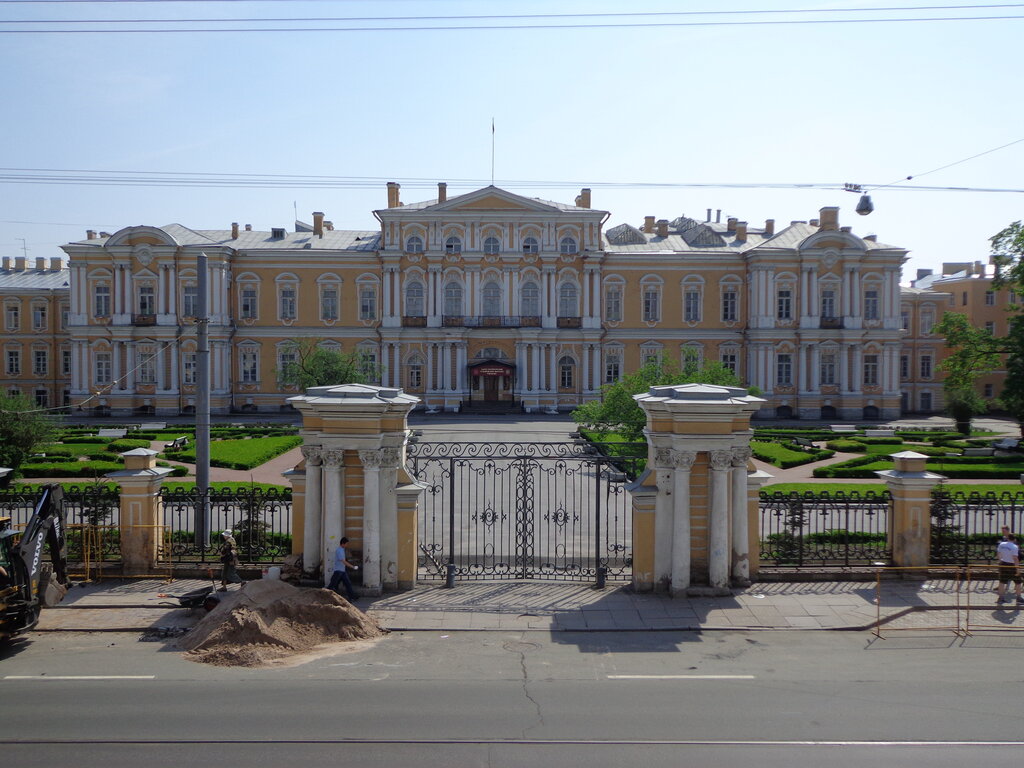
(648, 224)
(7, 262)
(718, 216)
(979, 268)
(56, 264)
(19, 263)
(769, 227)
(741, 231)
(814, 222)
(393, 192)
(104, 234)
(41, 263)
(923, 273)
(234, 230)
(829, 219)
(730, 224)
(442, 191)
(873, 238)
(248, 227)
(708, 219)
(329, 226)
(583, 201)
(318, 223)
(662, 227)
(90, 234)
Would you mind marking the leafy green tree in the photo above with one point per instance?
(1008, 255)
(315, 366)
(975, 353)
(618, 411)
(23, 430)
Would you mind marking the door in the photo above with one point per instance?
(491, 388)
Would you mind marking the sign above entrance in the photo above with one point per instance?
(491, 368)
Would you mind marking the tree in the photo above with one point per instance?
(23, 430)
(975, 353)
(312, 365)
(617, 410)
(1008, 256)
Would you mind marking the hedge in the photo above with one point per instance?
(240, 454)
(786, 455)
(126, 444)
(847, 445)
(957, 467)
(69, 468)
(86, 439)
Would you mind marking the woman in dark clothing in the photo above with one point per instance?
(229, 559)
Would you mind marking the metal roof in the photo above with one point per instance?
(34, 279)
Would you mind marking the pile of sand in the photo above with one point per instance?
(268, 621)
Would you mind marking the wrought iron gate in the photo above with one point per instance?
(522, 511)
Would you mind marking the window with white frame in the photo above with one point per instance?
(492, 246)
(828, 304)
(12, 316)
(990, 327)
(729, 358)
(248, 301)
(651, 300)
(529, 299)
(612, 366)
(453, 245)
(827, 369)
(650, 353)
(101, 301)
(904, 367)
(40, 362)
(414, 373)
(414, 244)
(691, 354)
(249, 364)
(415, 299)
(491, 295)
(367, 301)
(190, 300)
(147, 364)
(871, 305)
(453, 299)
(287, 358)
(568, 300)
(38, 317)
(990, 298)
(567, 246)
(871, 370)
(65, 362)
(926, 366)
(784, 304)
(784, 369)
(42, 398)
(369, 360)
(566, 371)
(904, 319)
(730, 304)
(287, 300)
(13, 362)
(188, 368)
(65, 316)
(613, 302)
(926, 401)
(691, 304)
(530, 245)
(104, 372)
(329, 301)
(13, 392)
(146, 298)
(927, 321)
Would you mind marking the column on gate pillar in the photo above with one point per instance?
(312, 520)
(358, 431)
(140, 518)
(910, 524)
(691, 512)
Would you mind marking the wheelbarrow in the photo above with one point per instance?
(204, 597)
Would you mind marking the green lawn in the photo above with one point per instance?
(240, 454)
(28, 487)
(880, 486)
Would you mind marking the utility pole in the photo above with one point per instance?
(202, 403)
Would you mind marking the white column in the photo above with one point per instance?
(552, 378)
(115, 349)
(460, 365)
(858, 370)
(118, 290)
(585, 376)
(172, 290)
(313, 518)
(129, 303)
(535, 366)
(740, 532)
(506, 299)
(387, 292)
(396, 377)
(681, 536)
(520, 384)
(175, 355)
(333, 508)
(161, 290)
(844, 368)
(446, 365)
(815, 368)
(129, 369)
(514, 306)
(586, 296)
(814, 294)
(430, 367)
(371, 461)
(596, 373)
(718, 525)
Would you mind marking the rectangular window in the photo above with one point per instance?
(249, 362)
(963, 298)
(65, 314)
(147, 300)
(905, 320)
(652, 310)
(329, 304)
(42, 398)
(904, 367)
(1012, 296)
(989, 390)
(40, 362)
(12, 315)
(990, 298)
(828, 303)
(612, 369)
(990, 327)
(101, 301)
(248, 308)
(926, 366)
(147, 365)
(730, 303)
(613, 305)
(367, 302)
(926, 402)
(565, 375)
(286, 303)
(828, 368)
(39, 317)
(871, 305)
(188, 368)
(65, 362)
(784, 369)
(784, 305)
(730, 361)
(691, 306)
(190, 301)
(871, 370)
(927, 321)
(103, 368)
(415, 378)
(13, 362)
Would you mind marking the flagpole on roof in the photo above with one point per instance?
(492, 151)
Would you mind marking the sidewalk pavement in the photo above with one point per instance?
(148, 605)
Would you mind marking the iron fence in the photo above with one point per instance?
(802, 530)
(967, 527)
(88, 511)
(260, 521)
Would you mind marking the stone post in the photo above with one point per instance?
(141, 509)
(692, 512)
(356, 485)
(910, 524)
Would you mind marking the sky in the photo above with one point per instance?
(619, 108)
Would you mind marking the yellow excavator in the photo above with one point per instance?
(27, 583)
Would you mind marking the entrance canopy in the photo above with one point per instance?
(491, 368)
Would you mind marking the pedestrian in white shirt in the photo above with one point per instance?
(1008, 554)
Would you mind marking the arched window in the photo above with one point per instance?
(492, 299)
(414, 373)
(492, 246)
(568, 300)
(613, 300)
(529, 299)
(453, 245)
(414, 244)
(566, 371)
(567, 246)
(453, 299)
(530, 245)
(414, 305)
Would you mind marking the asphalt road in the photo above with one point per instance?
(509, 698)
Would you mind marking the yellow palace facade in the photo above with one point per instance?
(490, 300)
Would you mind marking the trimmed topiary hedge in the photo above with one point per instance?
(69, 468)
(126, 444)
(786, 455)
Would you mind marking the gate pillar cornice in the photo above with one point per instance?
(355, 435)
(692, 514)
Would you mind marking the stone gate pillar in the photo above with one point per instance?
(910, 524)
(355, 482)
(692, 512)
(141, 509)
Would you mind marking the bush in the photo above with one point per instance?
(86, 439)
(70, 468)
(956, 467)
(125, 444)
(847, 445)
(786, 455)
(880, 440)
